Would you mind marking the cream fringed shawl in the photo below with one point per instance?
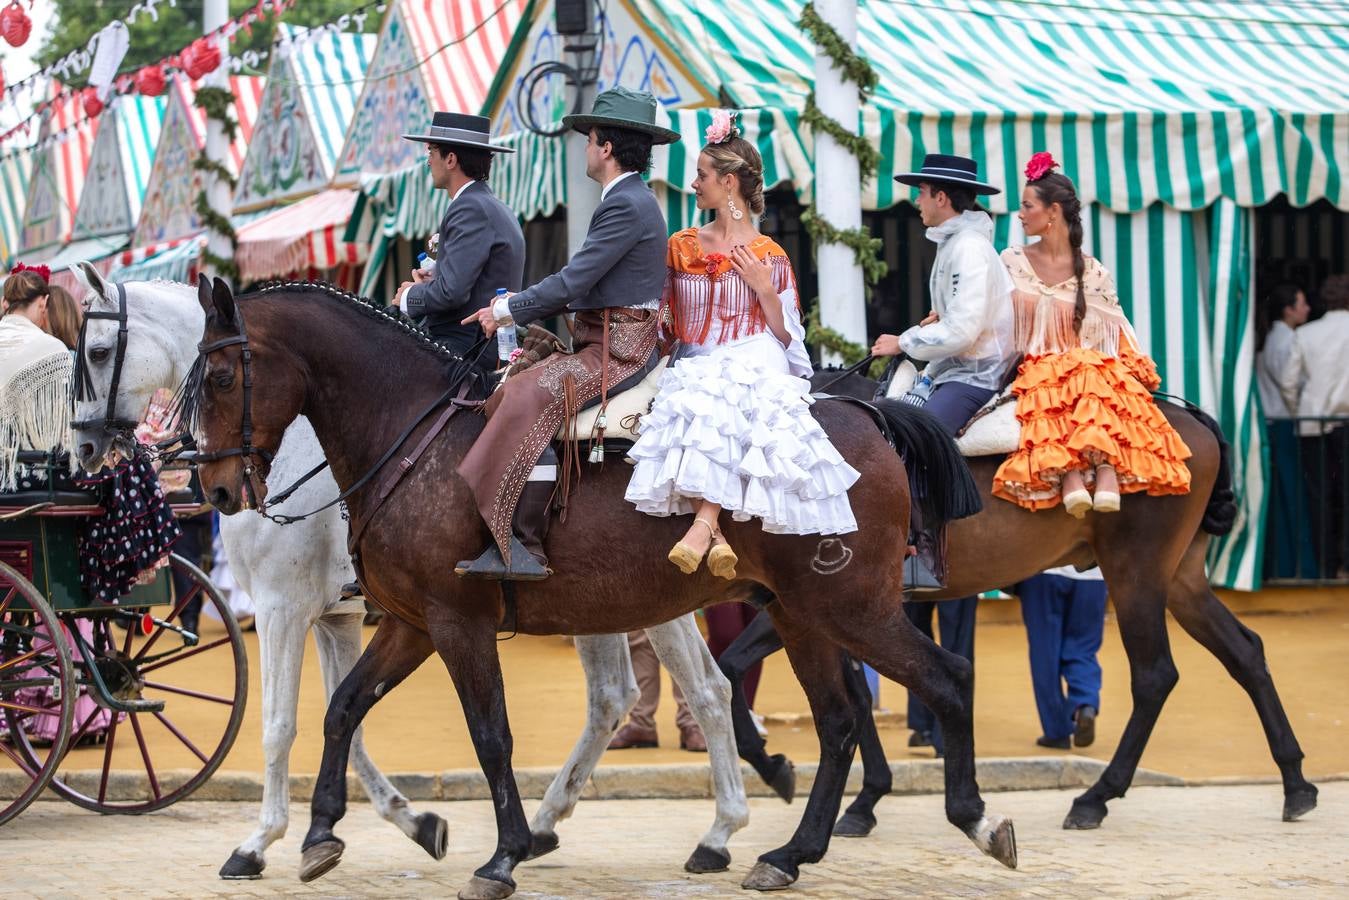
(35, 376)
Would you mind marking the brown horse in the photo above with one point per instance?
(361, 378)
(1152, 555)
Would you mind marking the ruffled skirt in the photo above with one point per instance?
(735, 428)
(1081, 409)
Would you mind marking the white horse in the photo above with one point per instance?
(295, 575)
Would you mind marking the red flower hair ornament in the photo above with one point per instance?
(43, 272)
(1040, 165)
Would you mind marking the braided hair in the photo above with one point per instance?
(1055, 187)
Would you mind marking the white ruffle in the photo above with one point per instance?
(733, 428)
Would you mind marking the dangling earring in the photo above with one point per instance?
(735, 210)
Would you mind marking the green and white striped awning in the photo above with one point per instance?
(15, 169)
(1143, 101)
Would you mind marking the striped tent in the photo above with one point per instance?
(119, 167)
(58, 172)
(16, 166)
(1174, 118)
(308, 104)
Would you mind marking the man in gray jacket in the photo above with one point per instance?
(481, 246)
(614, 285)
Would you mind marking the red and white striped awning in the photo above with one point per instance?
(300, 237)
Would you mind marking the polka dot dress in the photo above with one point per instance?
(134, 534)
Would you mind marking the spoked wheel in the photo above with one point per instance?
(138, 762)
(36, 693)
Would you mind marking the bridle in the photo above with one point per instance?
(84, 382)
(246, 451)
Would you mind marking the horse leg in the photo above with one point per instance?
(611, 692)
(877, 780)
(818, 666)
(469, 650)
(685, 655)
(281, 643)
(756, 643)
(1140, 608)
(886, 638)
(392, 655)
(1240, 650)
(338, 636)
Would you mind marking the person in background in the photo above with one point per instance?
(1289, 537)
(64, 315)
(1315, 385)
(640, 730)
(1064, 612)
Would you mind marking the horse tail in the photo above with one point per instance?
(1221, 513)
(940, 482)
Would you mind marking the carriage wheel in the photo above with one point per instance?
(139, 762)
(36, 693)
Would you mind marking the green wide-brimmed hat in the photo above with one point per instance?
(619, 107)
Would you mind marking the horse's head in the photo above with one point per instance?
(127, 351)
(244, 392)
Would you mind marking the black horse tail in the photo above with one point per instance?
(940, 483)
(1221, 513)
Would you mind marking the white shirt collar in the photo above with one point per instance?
(467, 185)
(610, 186)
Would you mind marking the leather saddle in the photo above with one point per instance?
(993, 431)
(624, 412)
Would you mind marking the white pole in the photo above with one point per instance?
(583, 195)
(838, 190)
(214, 14)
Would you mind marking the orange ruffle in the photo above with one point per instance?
(1081, 409)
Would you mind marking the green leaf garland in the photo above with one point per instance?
(216, 102)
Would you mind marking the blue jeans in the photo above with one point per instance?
(954, 403)
(1064, 618)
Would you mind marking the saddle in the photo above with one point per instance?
(993, 431)
(622, 415)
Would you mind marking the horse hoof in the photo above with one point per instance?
(766, 877)
(242, 867)
(708, 859)
(479, 888)
(783, 782)
(1083, 817)
(854, 825)
(1299, 803)
(433, 835)
(542, 844)
(319, 859)
(995, 836)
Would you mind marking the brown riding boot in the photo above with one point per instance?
(529, 527)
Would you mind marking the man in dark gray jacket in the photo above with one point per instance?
(614, 285)
(481, 246)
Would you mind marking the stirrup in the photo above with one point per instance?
(721, 559)
(490, 565)
(685, 557)
(919, 577)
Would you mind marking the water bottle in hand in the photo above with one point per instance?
(506, 343)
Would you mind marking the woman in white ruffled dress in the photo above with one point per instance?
(731, 427)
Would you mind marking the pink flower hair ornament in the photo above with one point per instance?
(1040, 165)
(722, 127)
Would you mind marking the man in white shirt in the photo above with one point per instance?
(1288, 539)
(1287, 309)
(1315, 385)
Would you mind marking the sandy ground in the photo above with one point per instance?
(1208, 729)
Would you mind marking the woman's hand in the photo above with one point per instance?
(756, 273)
(931, 317)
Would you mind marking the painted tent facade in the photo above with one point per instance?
(56, 178)
(119, 167)
(306, 108)
(169, 210)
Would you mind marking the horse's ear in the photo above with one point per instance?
(204, 295)
(223, 300)
(91, 278)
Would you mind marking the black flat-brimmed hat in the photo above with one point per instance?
(619, 107)
(459, 130)
(942, 168)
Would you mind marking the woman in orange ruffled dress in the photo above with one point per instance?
(1090, 429)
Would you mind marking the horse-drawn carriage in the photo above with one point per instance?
(85, 686)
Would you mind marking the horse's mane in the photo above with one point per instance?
(364, 306)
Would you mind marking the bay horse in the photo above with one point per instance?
(361, 377)
(1152, 554)
(141, 337)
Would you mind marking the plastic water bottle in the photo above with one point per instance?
(426, 264)
(506, 343)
